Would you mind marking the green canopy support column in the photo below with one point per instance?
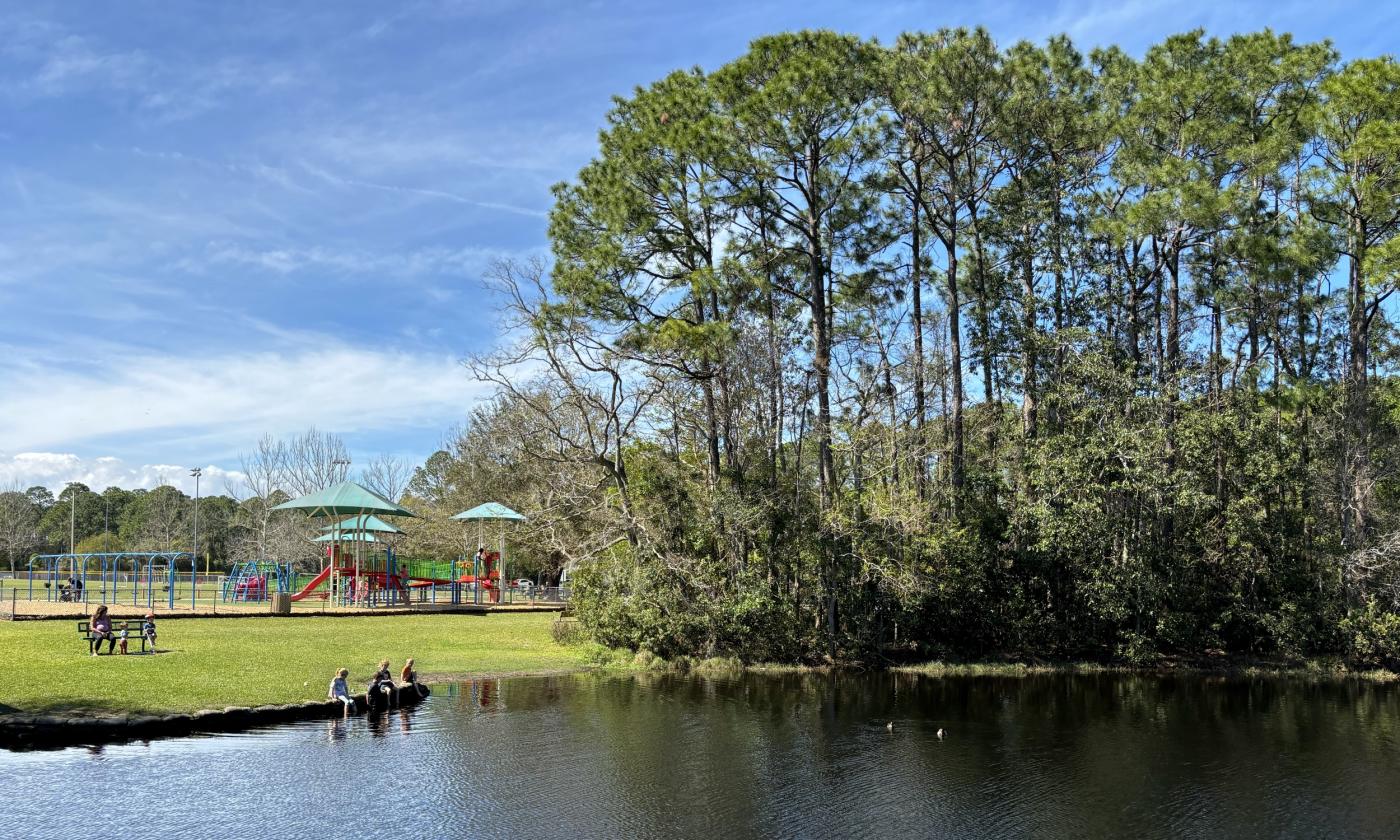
(502, 514)
(350, 499)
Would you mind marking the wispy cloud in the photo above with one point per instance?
(221, 403)
(423, 262)
(48, 60)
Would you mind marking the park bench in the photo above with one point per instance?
(132, 626)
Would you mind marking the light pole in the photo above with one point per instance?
(73, 531)
(194, 556)
(72, 517)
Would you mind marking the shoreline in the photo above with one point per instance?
(1317, 670)
(27, 732)
(57, 730)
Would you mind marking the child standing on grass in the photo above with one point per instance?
(148, 630)
(121, 642)
(340, 691)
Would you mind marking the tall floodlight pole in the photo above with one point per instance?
(194, 557)
(72, 516)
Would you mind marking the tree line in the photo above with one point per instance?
(238, 524)
(849, 350)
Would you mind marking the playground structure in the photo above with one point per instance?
(254, 580)
(75, 577)
(361, 567)
(380, 578)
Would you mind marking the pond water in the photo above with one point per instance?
(663, 756)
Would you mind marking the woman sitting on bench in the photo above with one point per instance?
(101, 628)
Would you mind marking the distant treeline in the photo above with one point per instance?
(35, 522)
(241, 523)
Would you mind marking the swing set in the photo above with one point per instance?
(75, 577)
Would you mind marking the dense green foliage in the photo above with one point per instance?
(857, 351)
(162, 519)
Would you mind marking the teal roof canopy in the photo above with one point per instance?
(358, 536)
(364, 523)
(344, 499)
(490, 510)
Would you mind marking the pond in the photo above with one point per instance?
(807, 755)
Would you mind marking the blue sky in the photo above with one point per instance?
(222, 220)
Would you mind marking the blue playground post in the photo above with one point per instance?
(171, 588)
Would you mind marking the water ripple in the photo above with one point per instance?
(661, 756)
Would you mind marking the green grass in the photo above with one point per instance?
(213, 663)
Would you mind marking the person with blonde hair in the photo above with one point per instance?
(340, 691)
(410, 677)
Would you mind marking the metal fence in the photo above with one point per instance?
(205, 592)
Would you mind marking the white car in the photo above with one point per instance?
(524, 583)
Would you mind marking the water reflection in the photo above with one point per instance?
(659, 755)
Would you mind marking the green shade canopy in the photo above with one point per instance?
(489, 510)
(364, 523)
(355, 537)
(345, 498)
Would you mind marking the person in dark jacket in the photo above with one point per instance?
(383, 682)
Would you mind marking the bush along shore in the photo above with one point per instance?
(613, 659)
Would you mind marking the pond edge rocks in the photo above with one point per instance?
(55, 731)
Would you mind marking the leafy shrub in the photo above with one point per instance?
(1372, 636)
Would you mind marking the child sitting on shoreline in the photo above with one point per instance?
(383, 681)
(410, 677)
(340, 691)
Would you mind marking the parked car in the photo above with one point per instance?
(525, 583)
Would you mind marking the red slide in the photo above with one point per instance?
(315, 582)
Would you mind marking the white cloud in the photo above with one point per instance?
(55, 62)
(55, 469)
(220, 404)
(465, 262)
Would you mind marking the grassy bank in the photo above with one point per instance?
(213, 663)
(1314, 669)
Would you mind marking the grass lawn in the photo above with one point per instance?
(213, 663)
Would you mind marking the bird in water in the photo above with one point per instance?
(889, 727)
(941, 733)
